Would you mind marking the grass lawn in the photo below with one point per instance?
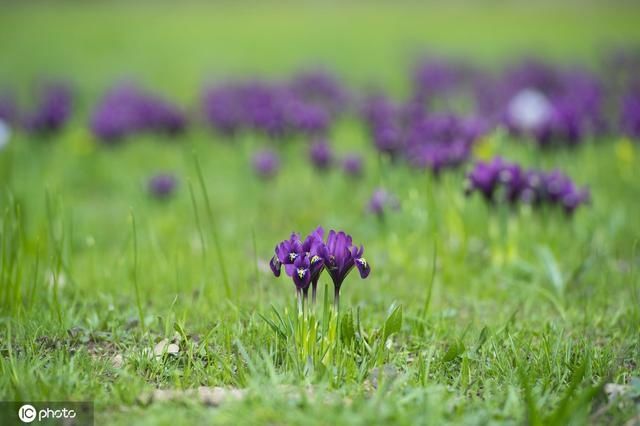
(471, 315)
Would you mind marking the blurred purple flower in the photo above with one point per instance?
(630, 115)
(321, 88)
(266, 163)
(52, 110)
(381, 201)
(352, 165)
(162, 185)
(499, 180)
(273, 109)
(438, 77)
(126, 110)
(321, 155)
(554, 106)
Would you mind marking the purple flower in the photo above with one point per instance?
(305, 260)
(276, 110)
(352, 165)
(302, 260)
(52, 111)
(162, 185)
(286, 253)
(437, 76)
(630, 115)
(307, 118)
(381, 201)
(126, 110)
(499, 180)
(320, 88)
(341, 256)
(266, 163)
(321, 155)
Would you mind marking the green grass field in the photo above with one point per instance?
(524, 318)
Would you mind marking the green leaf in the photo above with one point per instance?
(393, 323)
(177, 327)
(347, 330)
(484, 335)
(455, 350)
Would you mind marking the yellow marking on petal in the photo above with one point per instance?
(315, 258)
(301, 273)
(363, 261)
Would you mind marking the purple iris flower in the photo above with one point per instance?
(439, 141)
(435, 77)
(52, 111)
(499, 180)
(321, 88)
(339, 259)
(266, 163)
(630, 114)
(321, 155)
(352, 165)
(307, 118)
(162, 185)
(126, 110)
(554, 106)
(303, 261)
(286, 253)
(276, 110)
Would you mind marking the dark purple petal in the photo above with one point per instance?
(275, 265)
(363, 267)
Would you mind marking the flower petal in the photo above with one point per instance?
(363, 267)
(302, 277)
(275, 265)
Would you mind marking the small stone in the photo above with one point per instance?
(117, 361)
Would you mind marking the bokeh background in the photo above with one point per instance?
(564, 280)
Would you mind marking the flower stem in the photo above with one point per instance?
(336, 299)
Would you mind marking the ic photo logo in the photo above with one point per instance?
(27, 413)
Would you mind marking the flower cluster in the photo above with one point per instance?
(630, 114)
(321, 88)
(435, 77)
(551, 105)
(126, 109)
(306, 106)
(52, 111)
(304, 260)
(433, 141)
(499, 180)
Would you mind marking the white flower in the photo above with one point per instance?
(529, 109)
(5, 134)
